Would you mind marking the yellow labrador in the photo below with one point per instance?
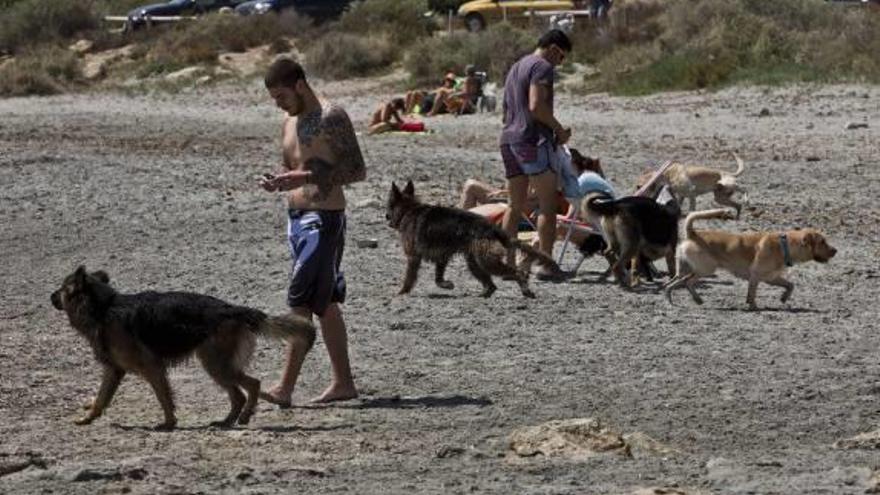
(754, 256)
(690, 181)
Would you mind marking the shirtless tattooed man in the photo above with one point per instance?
(320, 155)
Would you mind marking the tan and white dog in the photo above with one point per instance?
(753, 256)
(690, 181)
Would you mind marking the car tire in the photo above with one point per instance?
(474, 22)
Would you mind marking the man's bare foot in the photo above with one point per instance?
(336, 393)
(276, 397)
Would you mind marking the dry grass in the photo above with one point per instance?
(185, 44)
(648, 45)
(341, 55)
(402, 21)
(493, 51)
(712, 43)
(44, 71)
(28, 23)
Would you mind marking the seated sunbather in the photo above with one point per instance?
(432, 102)
(472, 89)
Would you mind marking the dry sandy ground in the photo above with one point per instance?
(159, 191)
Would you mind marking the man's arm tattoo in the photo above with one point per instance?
(308, 126)
(349, 164)
(321, 171)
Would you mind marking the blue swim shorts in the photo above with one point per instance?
(316, 239)
(525, 159)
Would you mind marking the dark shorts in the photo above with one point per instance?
(316, 239)
(524, 159)
(427, 103)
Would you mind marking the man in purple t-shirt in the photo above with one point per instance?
(530, 135)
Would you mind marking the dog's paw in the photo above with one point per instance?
(528, 293)
(88, 405)
(85, 420)
(245, 417)
(445, 284)
(166, 426)
(488, 292)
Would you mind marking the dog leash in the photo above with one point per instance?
(786, 254)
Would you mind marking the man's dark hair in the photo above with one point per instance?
(555, 37)
(284, 72)
(398, 103)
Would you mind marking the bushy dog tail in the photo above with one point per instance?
(502, 237)
(602, 205)
(533, 255)
(289, 327)
(703, 215)
(740, 166)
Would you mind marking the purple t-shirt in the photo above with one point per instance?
(519, 126)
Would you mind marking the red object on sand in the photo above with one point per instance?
(412, 126)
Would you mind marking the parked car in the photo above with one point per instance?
(317, 9)
(477, 13)
(444, 6)
(138, 17)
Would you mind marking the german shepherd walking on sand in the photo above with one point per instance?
(638, 229)
(147, 332)
(438, 233)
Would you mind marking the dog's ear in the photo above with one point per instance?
(596, 165)
(79, 277)
(810, 239)
(410, 189)
(395, 191)
(102, 276)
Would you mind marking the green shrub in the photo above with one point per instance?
(42, 71)
(31, 22)
(341, 55)
(631, 23)
(200, 42)
(493, 50)
(712, 43)
(401, 20)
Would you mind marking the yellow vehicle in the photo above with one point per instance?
(478, 13)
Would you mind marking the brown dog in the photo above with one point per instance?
(437, 233)
(690, 181)
(755, 256)
(148, 332)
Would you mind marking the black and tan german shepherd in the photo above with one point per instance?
(437, 233)
(147, 332)
(639, 230)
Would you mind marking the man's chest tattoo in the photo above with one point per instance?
(308, 126)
